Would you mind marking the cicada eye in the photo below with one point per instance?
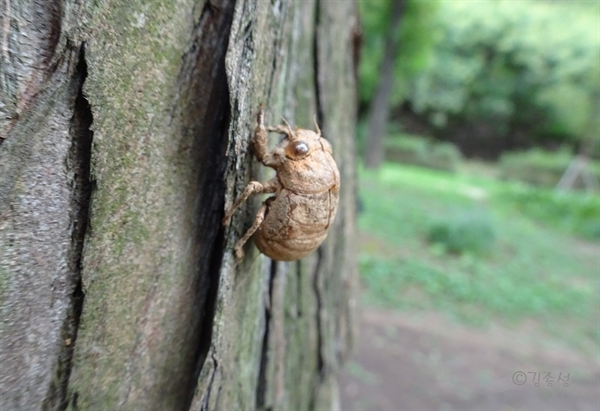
(297, 149)
(300, 148)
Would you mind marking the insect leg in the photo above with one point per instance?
(254, 187)
(260, 216)
(259, 142)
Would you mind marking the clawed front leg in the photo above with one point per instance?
(259, 142)
(254, 187)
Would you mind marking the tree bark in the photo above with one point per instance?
(380, 107)
(124, 131)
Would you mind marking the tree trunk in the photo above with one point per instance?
(125, 127)
(380, 107)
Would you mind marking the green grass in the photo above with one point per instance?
(541, 167)
(472, 231)
(533, 266)
(578, 213)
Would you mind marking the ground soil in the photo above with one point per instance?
(424, 361)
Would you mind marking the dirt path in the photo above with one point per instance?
(425, 362)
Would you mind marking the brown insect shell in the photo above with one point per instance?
(301, 212)
(314, 172)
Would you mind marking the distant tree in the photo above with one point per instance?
(379, 112)
(398, 39)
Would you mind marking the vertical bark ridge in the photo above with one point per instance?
(321, 366)
(162, 134)
(45, 192)
(29, 39)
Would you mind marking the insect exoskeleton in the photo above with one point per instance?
(294, 221)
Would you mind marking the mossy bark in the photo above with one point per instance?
(125, 130)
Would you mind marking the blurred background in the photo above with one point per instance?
(479, 208)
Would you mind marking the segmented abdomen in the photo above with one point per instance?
(296, 224)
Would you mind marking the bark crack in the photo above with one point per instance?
(318, 96)
(206, 400)
(321, 366)
(299, 288)
(206, 138)
(261, 386)
(78, 164)
(208, 320)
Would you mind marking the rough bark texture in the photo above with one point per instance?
(124, 132)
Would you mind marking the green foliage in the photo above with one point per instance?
(394, 283)
(533, 269)
(540, 167)
(416, 37)
(446, 156)
(574, 212)
(512, 64)
(406, 148)
(421, 151)
(471, 231)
